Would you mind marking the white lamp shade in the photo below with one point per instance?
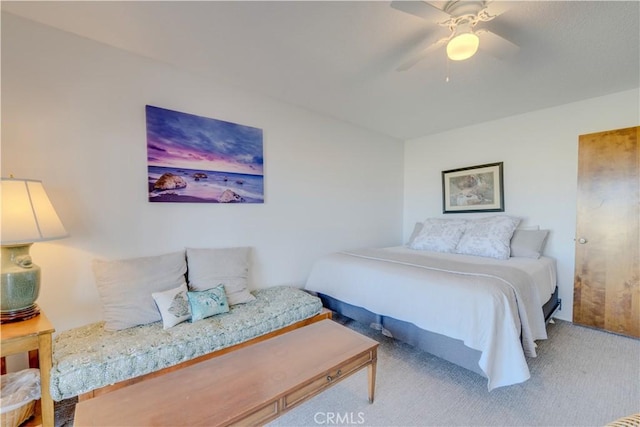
(463, 46)
(27, 213)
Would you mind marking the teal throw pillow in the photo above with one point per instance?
(207, 303)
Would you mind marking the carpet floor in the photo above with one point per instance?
(581, 377)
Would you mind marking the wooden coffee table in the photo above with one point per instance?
(249, 386)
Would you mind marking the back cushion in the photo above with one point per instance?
(125, 287)
(229, 267)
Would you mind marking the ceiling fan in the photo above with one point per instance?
(461, 17)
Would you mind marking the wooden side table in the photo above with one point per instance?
(28, 336)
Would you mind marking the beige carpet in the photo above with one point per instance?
(581, 377)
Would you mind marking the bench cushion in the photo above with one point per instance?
(90, 357)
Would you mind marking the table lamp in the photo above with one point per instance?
(27, 217)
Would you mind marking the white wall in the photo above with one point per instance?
(73, 116)
(539, 151)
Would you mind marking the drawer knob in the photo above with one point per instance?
(330, 378)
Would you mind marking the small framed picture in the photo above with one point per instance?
(473, 189)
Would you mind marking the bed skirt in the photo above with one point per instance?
(450, 349)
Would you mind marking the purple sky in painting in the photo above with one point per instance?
(182, 140)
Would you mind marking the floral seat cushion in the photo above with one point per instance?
(89, 357)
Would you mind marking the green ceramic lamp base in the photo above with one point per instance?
(20, 284)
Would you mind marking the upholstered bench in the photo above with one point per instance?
(89, 358)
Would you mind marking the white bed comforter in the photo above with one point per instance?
(486, 303)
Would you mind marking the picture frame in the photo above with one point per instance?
(473, 189)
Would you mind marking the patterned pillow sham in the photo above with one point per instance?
(488, 237)
(416, 231)
(439, 235)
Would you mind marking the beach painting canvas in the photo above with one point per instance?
(196, 159)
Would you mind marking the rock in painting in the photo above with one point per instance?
(169, 181)
(230, 197)
(200, 175)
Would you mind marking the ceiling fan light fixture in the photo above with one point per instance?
(463, 46)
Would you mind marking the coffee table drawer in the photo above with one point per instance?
(260, 416)
(328, 378)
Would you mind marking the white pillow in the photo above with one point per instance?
(173, 306)
(209, 268)
(439, 235)
(125, 287)
(488, 237)
(528, 243)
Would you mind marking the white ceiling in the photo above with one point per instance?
(339, 58)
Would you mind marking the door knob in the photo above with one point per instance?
(582, 240)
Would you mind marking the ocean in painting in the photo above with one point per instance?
(205, 186)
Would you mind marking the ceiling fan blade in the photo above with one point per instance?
(495, 45)
(421, 9)
(497, 8)
(423, 54)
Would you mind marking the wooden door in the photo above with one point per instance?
(607, 283)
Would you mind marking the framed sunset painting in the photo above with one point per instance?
(196, 159)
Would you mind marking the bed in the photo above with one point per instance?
(483, 313)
